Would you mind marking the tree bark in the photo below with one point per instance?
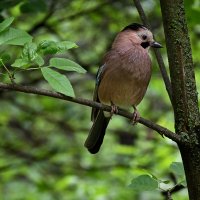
(184, 92)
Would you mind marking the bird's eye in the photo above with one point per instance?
(144, 37)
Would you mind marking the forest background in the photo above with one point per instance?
(42, 154)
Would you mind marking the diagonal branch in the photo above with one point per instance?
(32, 90)
(156, 51)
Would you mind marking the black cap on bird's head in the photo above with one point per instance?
(134, 27)
(144, 34)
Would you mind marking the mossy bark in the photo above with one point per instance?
(184, 93)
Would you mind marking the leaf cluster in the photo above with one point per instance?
(33, 55)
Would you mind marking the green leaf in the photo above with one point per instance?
(52, 47)
(184, 183)
(6, 23)
(20, 62)
(48, 47)
(39, 60)
(157, 179)
(165, 182)
(14, 37)
(144, 183)
(65, 45)
(29, 56)
(57, 81)
(25, 62)
(66, 64)
(177, 168)
(44, 44)
(152, 175)
(30, 51)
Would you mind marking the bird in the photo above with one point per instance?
(122, 80)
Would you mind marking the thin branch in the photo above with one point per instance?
(11, 76)
(156, 51)
(168, 193)
(32, 90)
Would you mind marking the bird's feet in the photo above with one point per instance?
(114, 109)
(136, 116)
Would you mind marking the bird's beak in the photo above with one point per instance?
(155, 44)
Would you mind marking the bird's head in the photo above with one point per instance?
(138, 34)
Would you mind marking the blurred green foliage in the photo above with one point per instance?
(42, 154)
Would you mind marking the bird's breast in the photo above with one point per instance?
(125, 79)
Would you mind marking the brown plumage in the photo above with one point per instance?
(123, 79)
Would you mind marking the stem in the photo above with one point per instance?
(11, 76)
(28, 69)
(168, 193)
(169, 196)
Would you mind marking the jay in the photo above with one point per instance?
(122, 80)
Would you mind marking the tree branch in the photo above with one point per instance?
(167, 193)
(32, 90)
(156, 51)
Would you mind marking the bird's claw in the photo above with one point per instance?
(136, 116)
(114, 110)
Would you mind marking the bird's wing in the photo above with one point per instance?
(95, 95)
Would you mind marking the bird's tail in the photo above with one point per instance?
(97, 132)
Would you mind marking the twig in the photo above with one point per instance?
(156, 51)
(32, 90)
(11, 76)
(168, 193)
(169, 196)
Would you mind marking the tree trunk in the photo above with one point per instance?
(191, 161)
(184, 92)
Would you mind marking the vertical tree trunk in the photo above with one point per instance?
(184, 93)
